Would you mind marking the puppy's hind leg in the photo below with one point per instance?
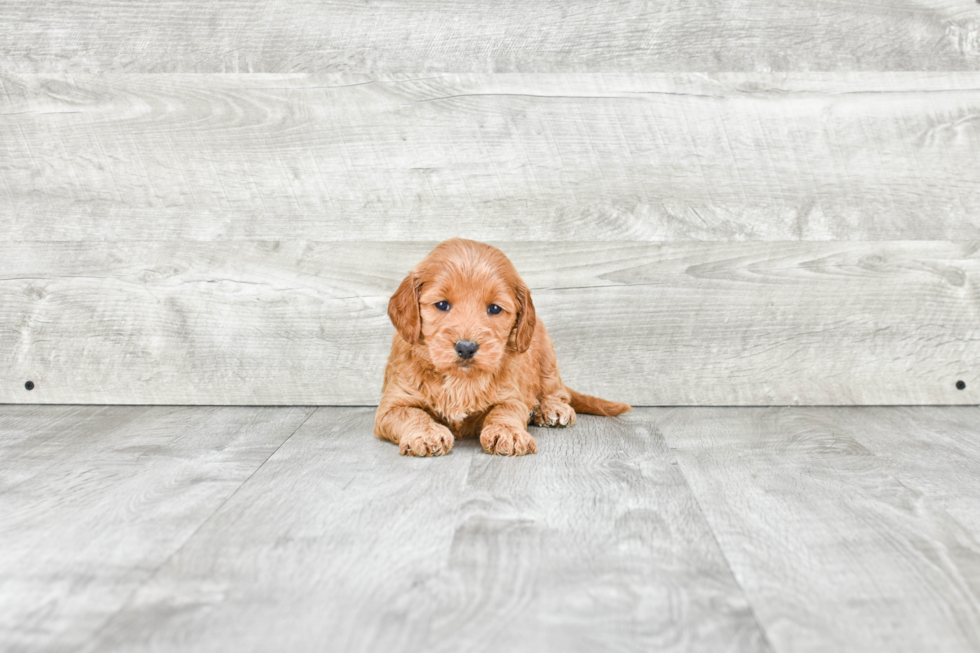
(553, 399)
(553, 410)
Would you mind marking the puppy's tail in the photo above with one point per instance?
(590, 405)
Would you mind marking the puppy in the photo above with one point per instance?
(469, 357)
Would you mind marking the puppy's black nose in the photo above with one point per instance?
(466, 348)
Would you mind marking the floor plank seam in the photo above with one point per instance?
(125, 604)
(714, 538)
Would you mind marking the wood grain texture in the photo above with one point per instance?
(272, 323)
(506, 36)
(594, 544)
(833, 551)
(322, 550)
(339, 542)
(94, 500)
(936, 453)
(701, 529)
(563, 157)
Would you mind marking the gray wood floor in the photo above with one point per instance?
(706, 529)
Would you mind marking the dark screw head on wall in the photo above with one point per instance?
(29, 385)
(961, 385)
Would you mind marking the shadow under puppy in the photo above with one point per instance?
(469, 357)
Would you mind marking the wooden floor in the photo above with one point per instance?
(293, 529)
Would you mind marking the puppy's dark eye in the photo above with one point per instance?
(443, 305)
(494, 309)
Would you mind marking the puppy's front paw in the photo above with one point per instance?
(554, 412)
(436, 440)
(505, 440)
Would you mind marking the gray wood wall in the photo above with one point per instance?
(728, 203)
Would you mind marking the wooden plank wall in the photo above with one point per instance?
(728, 203)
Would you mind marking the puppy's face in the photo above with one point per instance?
(466, 304)
(467, 317)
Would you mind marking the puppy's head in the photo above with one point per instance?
(467, 305)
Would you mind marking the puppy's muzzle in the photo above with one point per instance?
(466, 349)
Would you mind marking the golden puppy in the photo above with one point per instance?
(470, 357)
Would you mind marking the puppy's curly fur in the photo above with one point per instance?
(468, 291)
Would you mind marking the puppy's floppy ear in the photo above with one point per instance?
(403, 309)
(525, 319)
